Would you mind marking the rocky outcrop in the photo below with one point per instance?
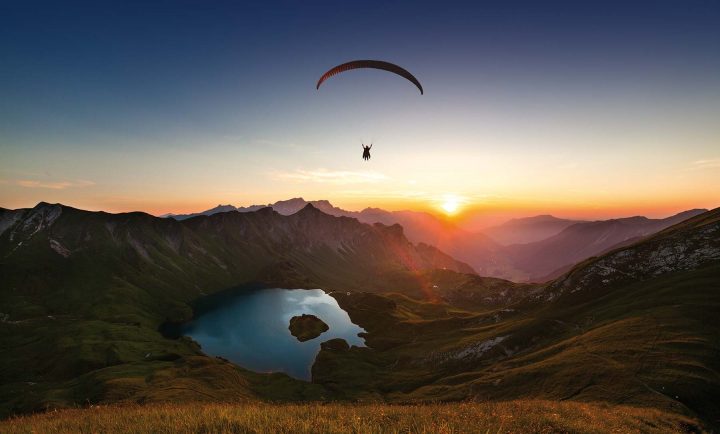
(306, 327)
(336, 344)
(684, 247)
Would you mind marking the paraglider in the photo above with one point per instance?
(366, 151)
(374, 64)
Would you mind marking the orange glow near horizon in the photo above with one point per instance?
(471, 213)
(451, 204)
(493, 176)
(487, 188)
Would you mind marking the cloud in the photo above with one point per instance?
(51, 185)
(713, 163)
(339, 177)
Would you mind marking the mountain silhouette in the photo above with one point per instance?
(550, 245)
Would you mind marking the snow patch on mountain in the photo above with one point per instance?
(59, 248)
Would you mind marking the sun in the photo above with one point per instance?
(450, 205)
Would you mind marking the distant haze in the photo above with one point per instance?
(535, 248)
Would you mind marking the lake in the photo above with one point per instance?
(250, 328)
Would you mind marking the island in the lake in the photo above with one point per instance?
(306, 327)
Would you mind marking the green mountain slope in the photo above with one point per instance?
(84, 293)
(636, 326)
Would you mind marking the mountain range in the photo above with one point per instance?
(231, 247)
(84, 294)
(549, 258)
(526, 249)
(528, 229)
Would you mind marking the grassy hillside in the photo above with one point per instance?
(637, 326)
(514, 416)
(652, 343)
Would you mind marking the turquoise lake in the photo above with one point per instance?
(250, 328)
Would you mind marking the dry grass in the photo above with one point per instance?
(495, 417)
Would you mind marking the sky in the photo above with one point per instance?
(579, 109)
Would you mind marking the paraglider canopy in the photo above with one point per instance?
(374, 64)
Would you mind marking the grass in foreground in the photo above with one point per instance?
(492, 417)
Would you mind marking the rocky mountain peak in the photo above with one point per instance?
(310, 209)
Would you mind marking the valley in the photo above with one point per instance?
(84, 295)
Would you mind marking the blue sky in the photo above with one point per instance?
(532, 106)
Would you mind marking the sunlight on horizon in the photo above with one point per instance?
(451, 205)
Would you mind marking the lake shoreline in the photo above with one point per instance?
(248, 326)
